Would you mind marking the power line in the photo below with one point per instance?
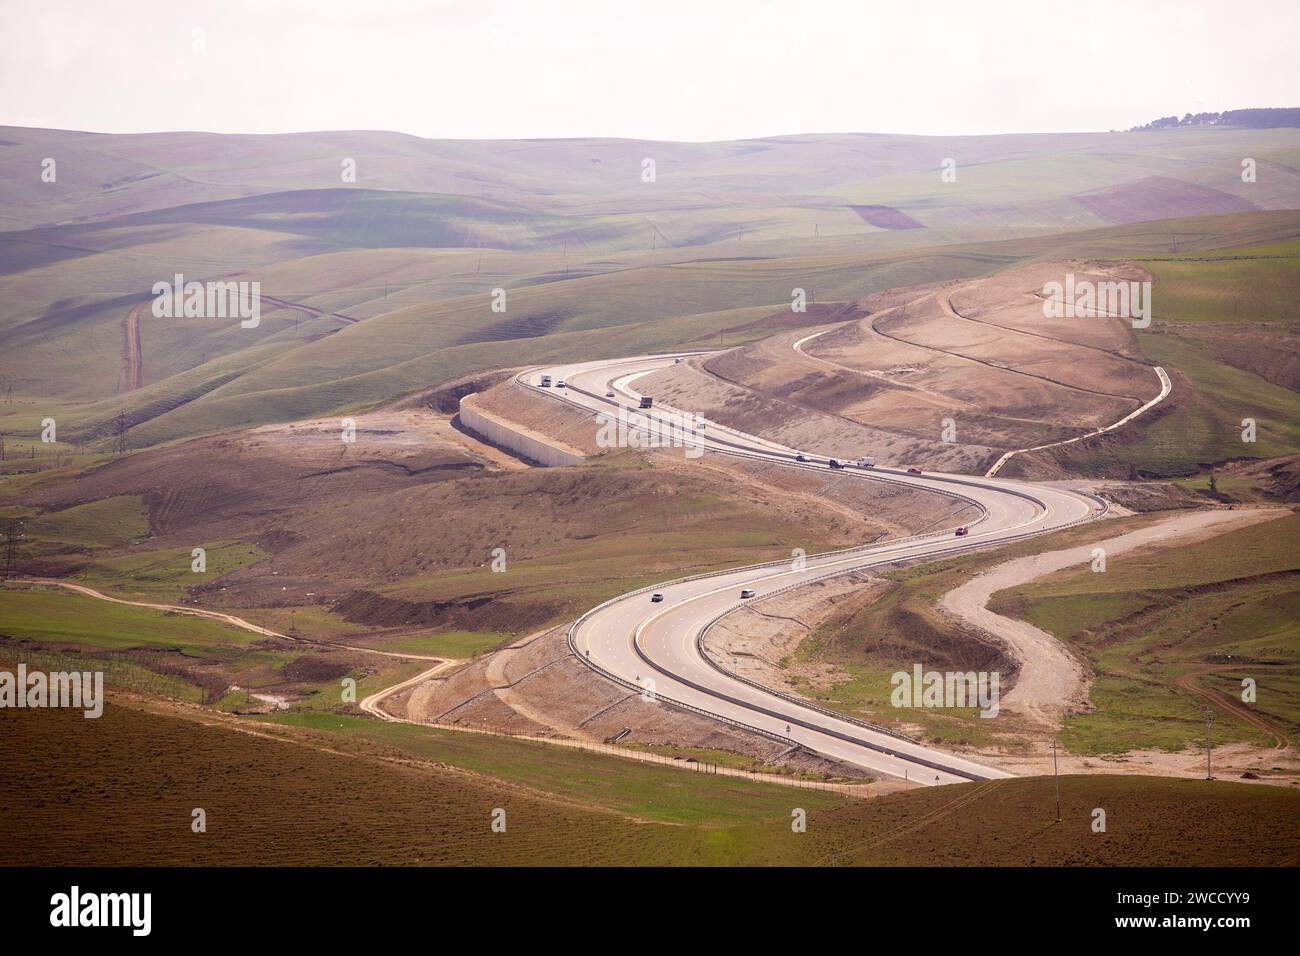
(122, 444)
(11, 547)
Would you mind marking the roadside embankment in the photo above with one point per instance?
(522, 441)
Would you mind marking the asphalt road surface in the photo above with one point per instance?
(654, 646)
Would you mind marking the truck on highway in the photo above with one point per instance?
(866, 463)
(647, 401)
(546, 381)
(835, 463)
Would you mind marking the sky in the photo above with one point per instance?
(648, 69)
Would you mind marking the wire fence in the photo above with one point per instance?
(133, 670)
(680, 763)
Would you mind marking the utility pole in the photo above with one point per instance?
(11, 547)
(121, 444)
(1209, 720)
(1057, 774)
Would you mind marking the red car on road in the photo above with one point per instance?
(962, 532)
(914, 471)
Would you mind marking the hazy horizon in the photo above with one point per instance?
(639, 139)
(671, 72)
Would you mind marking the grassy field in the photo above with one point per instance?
(177, 655)
(574, 538)
(436, 323)
(1249, 488)
(123, 670)
(333, 797)
(1202, 426)
(385, 577)
(378, 559)
(104, 543)
(1225, 322)
(640, 789)
(166, 574)
(867, 643)
(354, 552)
(592, 265)
(1150, 821)
(1161, 633)
(1247, 286)
(736, 761)
(1250, 284)
(49, 615)
(461, 645)
(1208, 427)
(99, 524)
(1170, 631)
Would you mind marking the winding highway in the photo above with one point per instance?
(657, 646)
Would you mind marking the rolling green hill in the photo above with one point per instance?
(304, 795)
(596, 261)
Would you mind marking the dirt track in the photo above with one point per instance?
(230, 619)
(1051, 682)
(1189, 682)
(131, 354)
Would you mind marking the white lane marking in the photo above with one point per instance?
(883, 554)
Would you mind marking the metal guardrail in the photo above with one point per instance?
(779, 459)
(872, 745)
(791, 698)
(789, 461)
(812, 705)
(631, 685)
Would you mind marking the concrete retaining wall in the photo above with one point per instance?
(514, 437)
